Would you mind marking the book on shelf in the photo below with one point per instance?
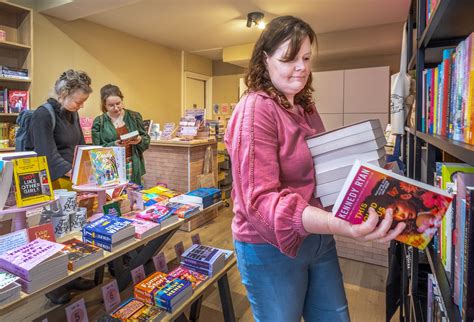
(44, 231)
(173, 294)
(6, 178)
(143, 228)
(3, 100)
(145, 290)
(18, 101)
(468, 272)
(136, 310)
(417, 204)
(184, 273)
(80, 254)
(147, 124)
(109, 229)
(32, 181)
(13, 72)
(129, 136)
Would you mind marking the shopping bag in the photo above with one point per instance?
(206, 179)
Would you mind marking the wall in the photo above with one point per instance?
(148, 74)
(197, 64)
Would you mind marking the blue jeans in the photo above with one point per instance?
(284, 289)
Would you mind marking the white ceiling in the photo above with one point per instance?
(206, 26)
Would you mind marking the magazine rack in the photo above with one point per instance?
(18, 214)
(101, 192)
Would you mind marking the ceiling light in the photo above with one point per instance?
(256, 18)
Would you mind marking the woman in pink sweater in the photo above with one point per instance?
(285, 250)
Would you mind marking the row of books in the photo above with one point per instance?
(14, 100)
(334, 153)
(13, 72)
(447, 105)
(435, 309)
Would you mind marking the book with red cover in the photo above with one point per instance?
(45, 231)
(419, 205)
(184, 273)
(18, 101)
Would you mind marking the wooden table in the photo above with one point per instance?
(145, 249)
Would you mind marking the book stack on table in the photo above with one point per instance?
(9, 289)
(334, 153)
(203, 259)
(108, 232)
(37, 264)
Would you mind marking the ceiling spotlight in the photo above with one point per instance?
(256, 18)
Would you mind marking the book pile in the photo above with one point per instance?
(9, 289)
(157, 194)
(182, 210)
(108, 232)
(206, 260)
(135, 310)
(37, 264)
(12, 72)
(184, 273)
(420, 206)
(158, 213)
(334, 153)
(204, 197)
(146, 290)
(80, 254)
(143, 228)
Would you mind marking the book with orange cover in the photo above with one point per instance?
(146, 289)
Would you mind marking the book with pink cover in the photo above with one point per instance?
(143, 228)
(21, 260)
(419, 205)
(183, 273)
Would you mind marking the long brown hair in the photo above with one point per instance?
(277, 32)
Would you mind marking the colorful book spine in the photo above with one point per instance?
(99, 243)
(468, 278)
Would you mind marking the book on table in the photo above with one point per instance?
(136, 310)
(419, 205)
(145, 290)
(160, 214)
(9, 289)
(110, 247)
(173, 294)
(143, 228)
(109, 229)
(187, 274)
(203, 259)
(80, 254)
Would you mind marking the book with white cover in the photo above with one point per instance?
(339, 173)
(349, 160)
(17, 155)
(350, 150)
(329, 188)
(343, 132)
(129, 136)
(6, 177)
(329, 200)
(347, 141)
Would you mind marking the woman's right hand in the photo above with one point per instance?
(368, 230)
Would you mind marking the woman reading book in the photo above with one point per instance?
(118, 126)
(283, 237)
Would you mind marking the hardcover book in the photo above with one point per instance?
(18, 101)
(108, 228)
(104, 166)
(45, 231)
(145, 290)
(32, 181)
(129, 136)
(417, 204)
(80, 253)
(184, 273)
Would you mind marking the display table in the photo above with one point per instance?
(101, 192)
(177, 163)
(145, 249)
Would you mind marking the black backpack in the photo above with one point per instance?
(23, 121)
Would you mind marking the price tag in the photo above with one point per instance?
(160, 263)
(138, 274)
(111, 295)
(196, 239)
(77, 312)
(179, 249)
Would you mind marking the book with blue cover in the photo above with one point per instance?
(173, 294)
(110, 229)
(110, 247)
(203, 259)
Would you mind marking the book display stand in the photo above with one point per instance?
(18, 214)
(101, 192)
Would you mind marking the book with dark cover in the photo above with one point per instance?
(109, 229)
(80, 253)
(419, 205)
(468, 282)
(173, 293)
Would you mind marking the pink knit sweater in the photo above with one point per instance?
(273, 171)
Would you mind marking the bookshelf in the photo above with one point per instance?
(450, 23)
(16, 50)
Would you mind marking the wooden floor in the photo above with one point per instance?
(364, 283)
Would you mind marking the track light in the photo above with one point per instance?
(256, 18)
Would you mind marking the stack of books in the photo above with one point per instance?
(184, 273)
(37, 264)
(108, 232)
(146, 290)
(204, 197)
(182, 210)
(80, 254)
(135, 310)
(159, 214)
(173, 294)
(334, 153)
(203, 259)
(9, 289)
(13, 72)
(143, 228)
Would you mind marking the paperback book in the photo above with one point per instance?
(104, 166)
(80, 254)
(109, 229)
(419, 205)
(143, 228)
(184, 273)
(44, 231)
(135, 310)
(145, 290)
(173, 294)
